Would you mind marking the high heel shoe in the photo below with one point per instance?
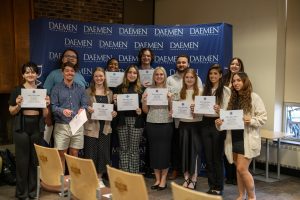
(161, 188)
(187, 182)
(193, 183)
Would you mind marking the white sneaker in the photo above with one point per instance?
(101, 184)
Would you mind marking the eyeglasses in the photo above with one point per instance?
(70, 56)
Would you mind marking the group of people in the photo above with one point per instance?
(172, 142)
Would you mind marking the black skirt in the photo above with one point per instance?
(160, 139)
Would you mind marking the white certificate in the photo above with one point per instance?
(102, 111)
(78, 121)
(205, 104)
(146, 76)
(181, 109)
(157, 96)
(33, 98)
(232, 119)
(114, 79)
(127, 102)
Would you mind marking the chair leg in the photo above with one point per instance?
(38, 182)
(98, 193)
(62, 187)
(69, 190)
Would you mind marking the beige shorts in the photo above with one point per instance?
(63, 138)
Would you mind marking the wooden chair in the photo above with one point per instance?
(126, 186)
(50, 171)
(182, 193)
(84, 183)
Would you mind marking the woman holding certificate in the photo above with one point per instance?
(243, 145)
(235, 65)
(28, 129)
(130, 120)
(189, 129)
(212, 139)
(97, 130)
(156, 104)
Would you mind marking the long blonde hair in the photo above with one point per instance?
(184, 86)
(92, 84)
(165, 74)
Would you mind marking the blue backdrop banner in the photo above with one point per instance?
(206, 44)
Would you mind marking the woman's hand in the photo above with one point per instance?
(19, 100)
(217, 109)
(144, 98)
(218, 122)
(247, 119)
(114, 114)
(138, 111)
(90, 109)
(115, 98)
(192, 107)
(47, 99)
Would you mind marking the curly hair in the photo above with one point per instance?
(141, 52)
(241, 99)
(208, 85)
(184, 86)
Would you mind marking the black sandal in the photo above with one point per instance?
(187, 181)
(194, 184)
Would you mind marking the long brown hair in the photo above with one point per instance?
(137, 83)
(243, 97)
(184, 86)
(92, 84)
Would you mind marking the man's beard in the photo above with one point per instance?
(181, 71)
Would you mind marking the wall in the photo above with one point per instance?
(138, 12)
(292, 70)
(258, 38)
(101, 11)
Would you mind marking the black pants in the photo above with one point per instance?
(213, 143)
(26, 159)
(190, 145)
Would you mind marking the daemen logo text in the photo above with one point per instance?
(78, 43)
(184, 45)
(168, 32)
(204, 59)
(128, 59)
(97, 30)
(204, 31)
(165, 59)
(87, 71)
(151, 45)
(133, 31)
(108, 44)
(62, 27)
(54, 55)
(96, 57)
